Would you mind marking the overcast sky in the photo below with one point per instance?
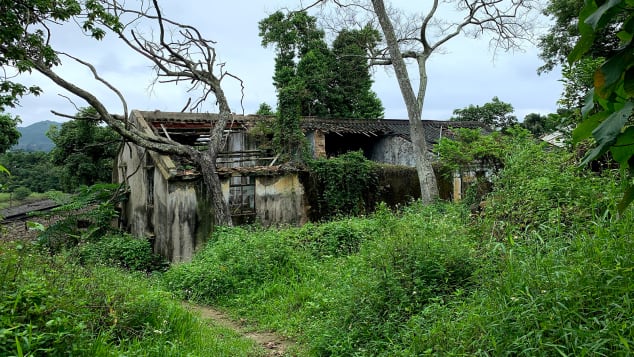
(465, 74)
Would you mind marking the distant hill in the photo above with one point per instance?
(34, 137)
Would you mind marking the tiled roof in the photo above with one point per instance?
(198, 124)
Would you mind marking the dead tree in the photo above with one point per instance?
(179, 54)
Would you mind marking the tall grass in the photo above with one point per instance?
(545, 270)
(50, 306)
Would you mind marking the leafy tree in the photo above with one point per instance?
(610, 122)
(496, 114)
(352, 94)
(557, 43)
(9, 134)
(539, 124)
(265, 109)
(84, 151)
(33, 170)
(330, 82)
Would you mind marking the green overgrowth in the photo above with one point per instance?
(50, 306)
(546, 269)
(343, 182)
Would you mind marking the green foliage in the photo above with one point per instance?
(543, 187)
(85, 217)
(52, 307)
(9, 134)
(21, 193)
(540, 125)
(420, 259)
(122, 251)
(233, 262)
(343, 182)
(613, 92)
(25, 39)
(470, 148)
(559, 41)
(84, 150)
(265, 109)
(496, 114)
(326, 82)
(30, 169)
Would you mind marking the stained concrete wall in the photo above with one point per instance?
(393, 150)
(280, 200)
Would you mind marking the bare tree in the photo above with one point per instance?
(179, 53)
(417, 37)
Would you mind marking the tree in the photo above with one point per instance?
(84, 151)
(496, 114)
(32, 169)
(412, 39)
(265, 109)
(329, 82)
(559, 41)
(609, 104)
(539, 124)
(9, 134)
(178, 52)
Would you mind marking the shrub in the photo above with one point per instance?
(421, 258)
(122, 251)
(544, 187)
(236, 260)
(21, 193)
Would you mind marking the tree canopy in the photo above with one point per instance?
(9, 134)
(84, 150)
(558, 42)
(328, 82)
(496, 114)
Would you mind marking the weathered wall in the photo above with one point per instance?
(131, 169)
(393, 150)
(183, 219)
(280, 200)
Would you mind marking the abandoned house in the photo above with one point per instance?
(167, 200)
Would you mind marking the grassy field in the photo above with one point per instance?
(545, 269)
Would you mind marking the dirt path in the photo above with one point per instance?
(274, 344)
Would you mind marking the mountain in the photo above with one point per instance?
(34, 137)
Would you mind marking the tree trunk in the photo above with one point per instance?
(207, 163)
(414, 105)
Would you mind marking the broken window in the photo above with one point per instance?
(242, 199)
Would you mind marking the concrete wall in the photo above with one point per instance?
(280, 200)
(393, 150)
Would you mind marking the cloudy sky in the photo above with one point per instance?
(466, 73)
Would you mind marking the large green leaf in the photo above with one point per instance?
(610, 74)
(607, 132)
(623, 148)
(586, 127)
(596, 19)
(586, 32)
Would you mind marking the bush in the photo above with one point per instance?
(122, 251)
(21, 193)
(421, 258)
(52, 307)
(236, 260)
